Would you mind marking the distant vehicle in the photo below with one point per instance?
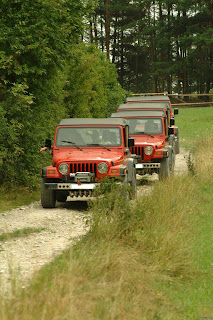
(84, 151)
(148, 99)
(154, 141)
(154, 103)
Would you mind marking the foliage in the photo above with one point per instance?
(46, 76)
(92, 89)
(157, 46)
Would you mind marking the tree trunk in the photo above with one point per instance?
(107, 28)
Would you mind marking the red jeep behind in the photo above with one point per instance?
(84, 151)
(154, 141)
(139, 103)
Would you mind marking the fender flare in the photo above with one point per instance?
(44, 172)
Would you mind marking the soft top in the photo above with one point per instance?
(141, 113)
(147, 98)
(92, 121)
(145, 105)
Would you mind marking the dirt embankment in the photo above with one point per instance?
(21, 257)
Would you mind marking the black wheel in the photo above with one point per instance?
(177, 145)
(133, 186)
(164, 171)
(61, 197)
(48, 198)
(172, 162)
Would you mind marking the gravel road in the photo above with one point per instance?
(21, 257)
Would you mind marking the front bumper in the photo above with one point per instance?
(147, 165)
(70, 186)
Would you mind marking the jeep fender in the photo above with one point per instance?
(170, 149)
(130, 163)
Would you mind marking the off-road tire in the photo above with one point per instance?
(177, 145)
(172, 162)
(61, 197)
(48, 198)
(133, 186)
(164, 171)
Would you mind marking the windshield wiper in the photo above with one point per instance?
(142, 132)
(98, 145)
(72, 143)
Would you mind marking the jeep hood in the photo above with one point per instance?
(95, 155)
(144, 140)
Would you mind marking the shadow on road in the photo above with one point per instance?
(78, 205)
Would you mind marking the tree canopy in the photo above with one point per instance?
(46, 72)
(159, 45)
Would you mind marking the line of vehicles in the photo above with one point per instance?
(139, 138)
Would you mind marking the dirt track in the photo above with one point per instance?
(21, 257)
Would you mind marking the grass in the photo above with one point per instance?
(19, 233)
(15, 197)
(193, 124)
(114, 271)
(147, 260)
(195, 298)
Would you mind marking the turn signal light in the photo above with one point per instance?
(115, 171)
(51, 171)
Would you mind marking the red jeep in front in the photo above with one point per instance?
(85, 151)
(154, 142)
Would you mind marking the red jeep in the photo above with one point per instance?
(152, 99)
(139, 103)
(154, 141)
(85, 151)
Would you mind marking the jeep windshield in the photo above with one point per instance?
(88, 137)
(145, 126)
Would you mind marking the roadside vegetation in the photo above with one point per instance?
(19, 233)
(149, 259)
(194, 123)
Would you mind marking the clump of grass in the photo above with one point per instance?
(158, 224)
(204, 158)
(19, 233)
(11, 198)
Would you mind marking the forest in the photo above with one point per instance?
(65, 58)
(157, 46)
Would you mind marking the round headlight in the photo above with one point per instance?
(102, 167)
(63, 168)
(148, 150)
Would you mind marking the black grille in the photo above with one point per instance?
(83, 167)
(138, 151)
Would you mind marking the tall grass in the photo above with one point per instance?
(112, 272)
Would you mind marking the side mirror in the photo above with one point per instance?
(170, 131)
(48, 143)
(131, 142)
(172, 122)
(176, 111)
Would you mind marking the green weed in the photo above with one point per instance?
(19, 233)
